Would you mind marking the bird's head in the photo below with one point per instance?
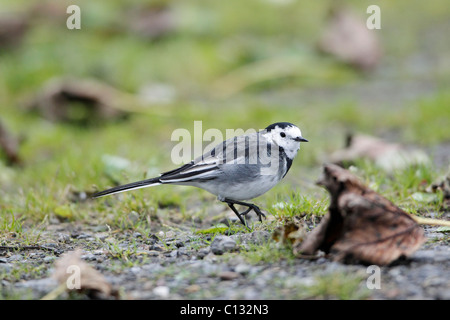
(285, 135)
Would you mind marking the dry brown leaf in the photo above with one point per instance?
(9, 145)
(49, 11)
(92, 282)
(347, 37)
(78, 100)
(12, 29)
(152, 21)
(361, 224)
(387, 156)
(292, 233)
(444, 187)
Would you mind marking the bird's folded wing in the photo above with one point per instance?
(247, 149)
(190, 173)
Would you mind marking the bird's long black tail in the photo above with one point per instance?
(127, 187)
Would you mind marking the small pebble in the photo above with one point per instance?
(63, 238)
(242, 268)
(153, 253)
(16, 257)
(89, 257)
(135, 270)
(228, 275)
(5, 267)
(161, 291)
(222, 244)
(49, 259)
(183, 251)
(203, 252)
(179, 244)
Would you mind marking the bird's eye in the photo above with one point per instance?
(282, 134)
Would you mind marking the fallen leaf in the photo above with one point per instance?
(152, 21)
(347, 37)
(444, 187)
(293, 232)
(48, 11)
(361, 224)
(91, 281)
(9, 145)
(387, 156)
(81, 101)
(12, 29)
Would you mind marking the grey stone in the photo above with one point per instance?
(222, 244)
(203, 252)
(242, 268)
(49, 259)
(40, 285)
(16, 257)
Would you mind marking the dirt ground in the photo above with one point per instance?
(185, 265)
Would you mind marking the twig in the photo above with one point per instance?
(33, 247)
(55, 293)
(431, 222)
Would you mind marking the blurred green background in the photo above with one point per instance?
(230, 64)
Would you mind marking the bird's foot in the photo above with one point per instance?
(249, 206)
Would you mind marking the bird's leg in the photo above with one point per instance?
(249, 205)
(254, 208)
(245, 212)
(237, 213)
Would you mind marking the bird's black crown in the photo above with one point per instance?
(282, 125)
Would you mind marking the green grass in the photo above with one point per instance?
(299, 205)
(267, 253)
(337, 285)
(24, 271)
(401, 185)
(11, 224)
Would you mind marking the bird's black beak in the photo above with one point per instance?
(300, 139)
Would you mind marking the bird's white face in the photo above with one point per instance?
(288, 138)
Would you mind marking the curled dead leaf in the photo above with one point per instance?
(387, 156)
(79, 101)
(152, 21)
(10, 146)
(292, 232)
(347, 37)
(361, 224)
(12, 29)
(444, 187)
(90, 281)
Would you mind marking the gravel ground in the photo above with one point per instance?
(191, 266)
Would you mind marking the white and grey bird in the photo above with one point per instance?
(240, 168)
